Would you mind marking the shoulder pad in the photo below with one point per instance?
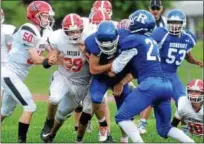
(131, 41)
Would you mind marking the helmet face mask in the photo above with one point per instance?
(175, 27)
(46, 19)
(108, 47)
(74, 35)
(195, 96)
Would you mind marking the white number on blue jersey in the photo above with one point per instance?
(149, 53)
(172, 56)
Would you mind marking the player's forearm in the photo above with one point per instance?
(38, 60)
(128, 78)
(190, 59)
(99, 69)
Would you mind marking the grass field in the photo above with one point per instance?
(38, 83)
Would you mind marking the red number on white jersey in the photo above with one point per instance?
(74, 65)
(27, 37)
(195, 128)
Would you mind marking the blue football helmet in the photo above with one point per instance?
(176, 22)
(142, 21)
(107, 37)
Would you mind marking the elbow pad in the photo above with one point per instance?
(46, 64)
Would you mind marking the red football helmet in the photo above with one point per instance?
(97, 16)
(37, 10)
(73, 26)
(103, 4)
(124, 24)
(2, 15)
(195, 91)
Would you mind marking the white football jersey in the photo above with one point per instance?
(186, 113)
(28, 36)
(79, 71)
(6, 39)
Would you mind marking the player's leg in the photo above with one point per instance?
(119, 100)
(77, 114)
(97, 90)
(135, 102)
(144, 115)
(8, 105)
(58, 89)
(107, 111)
(19, 92)
(163, 123)
(85, 117)
(65, 108)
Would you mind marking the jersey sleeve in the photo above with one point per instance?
(28, 37)
(192, 40)
(8, 39)
(128, 42)
(52, 40)
(91, 46)
(159, 34)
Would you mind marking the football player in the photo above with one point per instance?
(141, 52)
(175, 45)
(95, 18)
(103, 47)
(190, 111)
(28, 44)
(6, 41)
(71, 81)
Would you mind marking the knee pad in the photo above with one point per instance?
(163, 130)
(31, 107)
(54, 99)
(85, 118)
(61, 116)
(78, 109)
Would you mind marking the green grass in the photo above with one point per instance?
(38, 82)
(65, 134)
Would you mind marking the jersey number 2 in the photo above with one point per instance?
(74, 65)
(151, 57)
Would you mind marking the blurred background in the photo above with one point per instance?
(15, 11)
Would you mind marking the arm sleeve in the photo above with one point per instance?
(122, 60)
(9, 39)
(27, 38)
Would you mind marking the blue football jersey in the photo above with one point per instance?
(173, 49)
(93, 48)
(147, 61)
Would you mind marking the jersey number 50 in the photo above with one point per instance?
(74, 65)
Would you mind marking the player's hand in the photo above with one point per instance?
(67, 64)
(200, 64)
(111, 74)
(117, 89)
(52, 60)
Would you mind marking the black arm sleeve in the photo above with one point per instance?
(45, 64)
(175, 122)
